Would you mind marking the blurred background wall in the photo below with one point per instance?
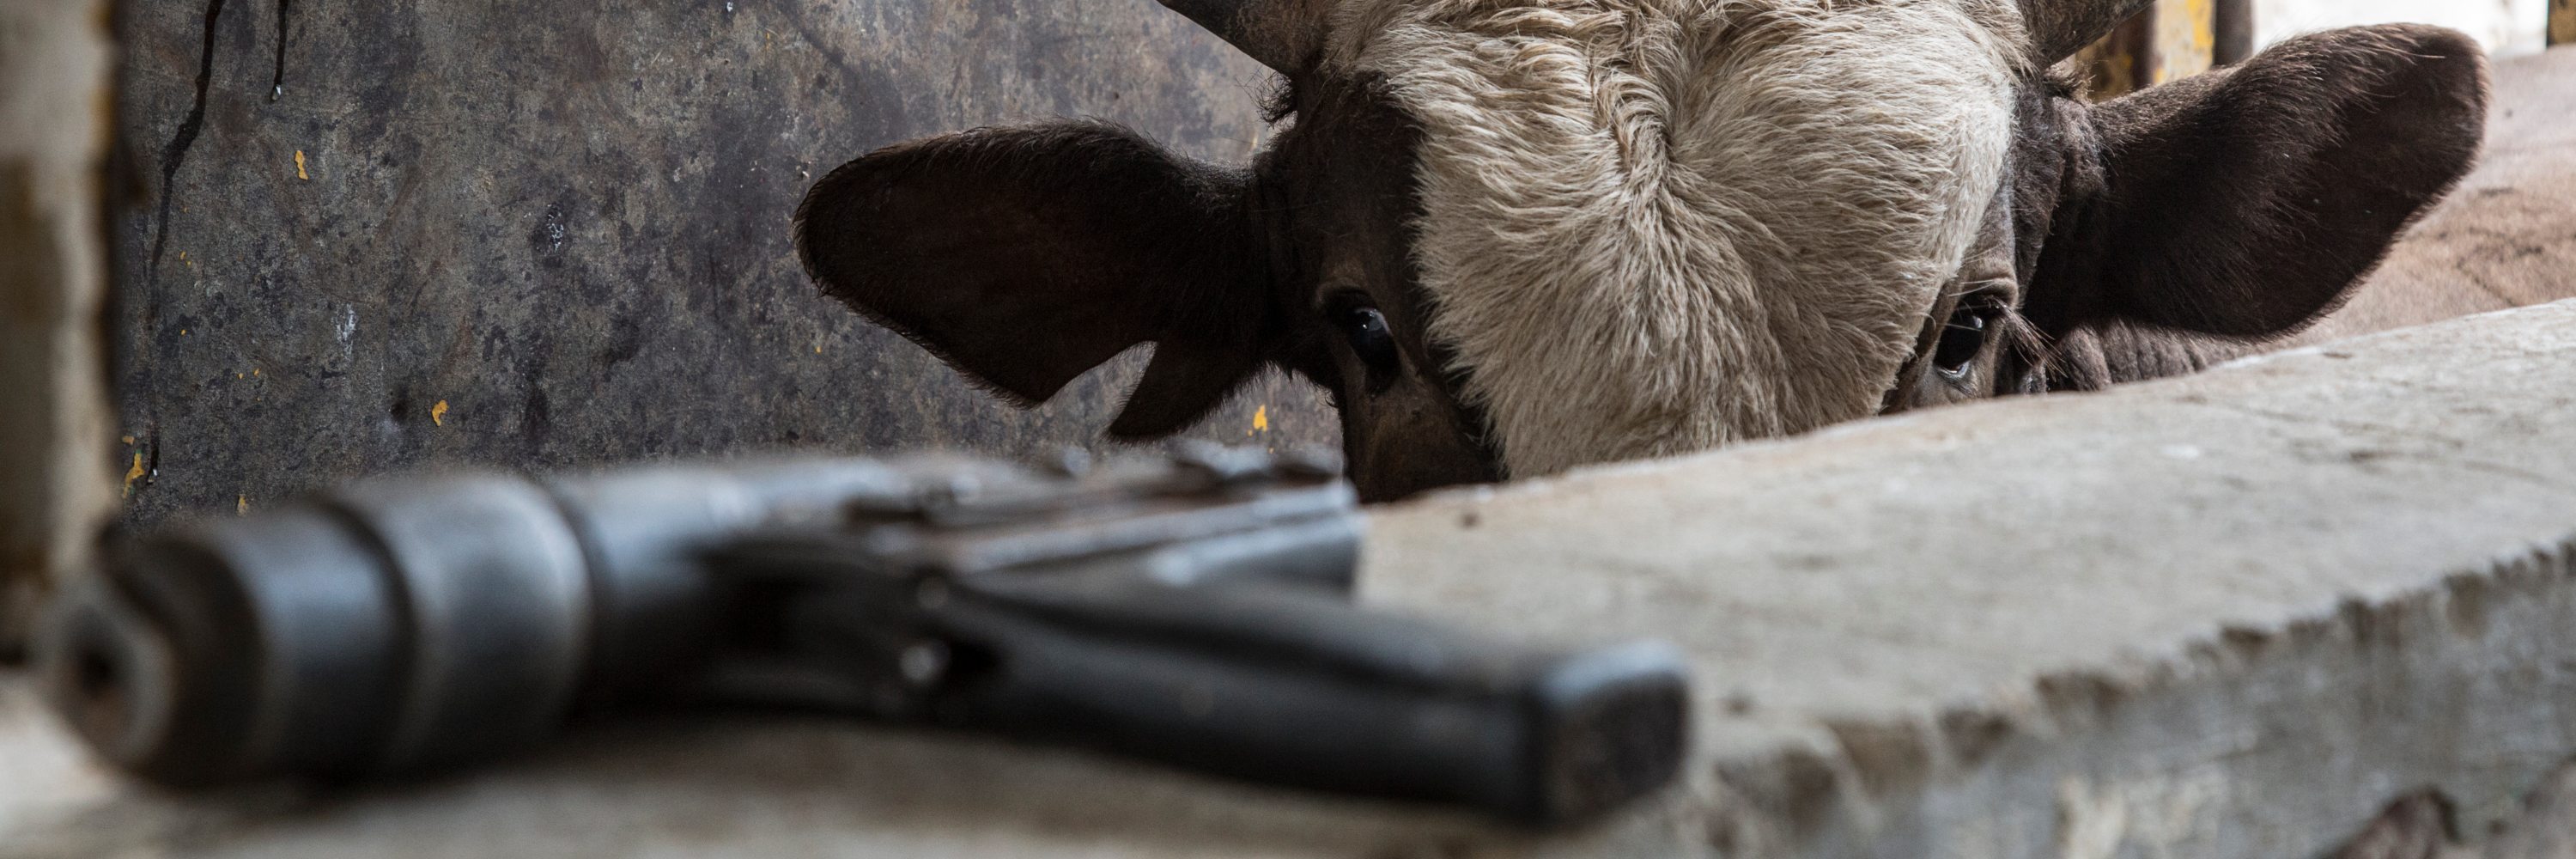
(2175, 39)
(2506, 27)
(358, 236)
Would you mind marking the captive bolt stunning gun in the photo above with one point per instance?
(1192, 610)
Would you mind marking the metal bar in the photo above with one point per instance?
(2232, 25)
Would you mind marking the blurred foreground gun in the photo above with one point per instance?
(1191, 610)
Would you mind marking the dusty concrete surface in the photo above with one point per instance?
(2507, 236)
(54, 99)
(2232, 615)
(2545, 828)
(2422, 827)
(378, 234)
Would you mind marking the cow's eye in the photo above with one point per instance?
(1964, 338)
(1365, 329)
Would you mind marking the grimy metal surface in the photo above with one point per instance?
(2169, 41)
(369, 235)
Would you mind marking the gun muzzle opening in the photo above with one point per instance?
(109, 672)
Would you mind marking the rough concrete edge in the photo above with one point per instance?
(1768, 804)
(2543, 826)
(1757, 805)
(2425, 826)
(57, 103)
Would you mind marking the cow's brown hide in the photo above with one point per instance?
(2507, 237)
(2187, 224)
(2147, 235)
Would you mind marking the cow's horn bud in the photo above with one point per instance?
(1280, 33)
(2059, 28)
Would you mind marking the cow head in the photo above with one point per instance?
(1516, 236)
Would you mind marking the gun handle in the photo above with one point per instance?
(1292, 688)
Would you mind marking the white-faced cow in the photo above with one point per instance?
(1517, 236)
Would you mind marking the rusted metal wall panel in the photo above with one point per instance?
(2186, 38)
(2171, 40)
(377, 234)
(54, 97)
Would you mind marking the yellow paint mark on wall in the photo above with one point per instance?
(2174, 39)
(438, 413)
(2186, 38)
(133, 474)
(1260, 419)
(299, 166)
(241, 505)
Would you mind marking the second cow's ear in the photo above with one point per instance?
(2246, 203)
(1026, 256)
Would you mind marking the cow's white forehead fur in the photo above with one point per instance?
(1657, 226)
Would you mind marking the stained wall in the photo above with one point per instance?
(361, 236)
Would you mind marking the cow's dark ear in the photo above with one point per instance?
(2247, 202)
(1026, 256)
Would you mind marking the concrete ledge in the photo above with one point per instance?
(2233, 615)
(2227, 615)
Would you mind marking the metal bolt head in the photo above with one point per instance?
(923, 663)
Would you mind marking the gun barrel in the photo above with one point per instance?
(405, 623)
